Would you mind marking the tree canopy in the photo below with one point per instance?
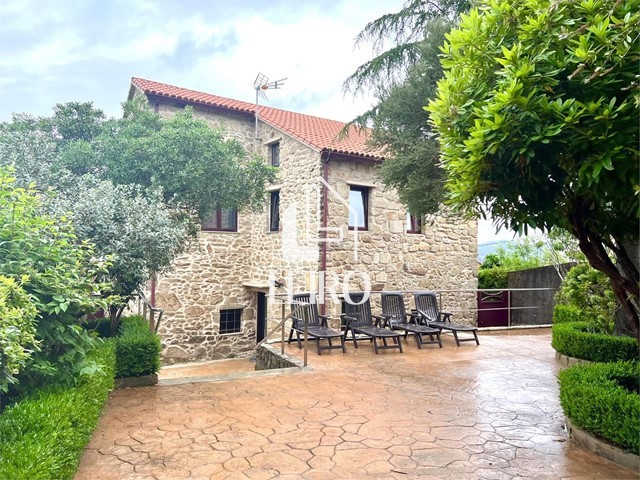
(537, 118)
(136, 187)
(403, 78)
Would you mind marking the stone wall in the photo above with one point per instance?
(542, 301)
(443, 256)
(226, 269)
(269, 358)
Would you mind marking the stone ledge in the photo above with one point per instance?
(570, 361)
(604, 448)
(269, 358)
(143, 381)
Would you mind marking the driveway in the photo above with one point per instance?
(469, 412)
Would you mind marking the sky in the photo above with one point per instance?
(88, 50)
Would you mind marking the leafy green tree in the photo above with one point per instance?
(43, 255)
(134, 229)
(538, 123)
(403, 78)
(17, 331)
(136, 187)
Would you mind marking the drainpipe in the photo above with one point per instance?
(325, 214)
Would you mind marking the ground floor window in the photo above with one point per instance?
(231, 320)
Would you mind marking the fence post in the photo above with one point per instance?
(508, 308)
(282, 330)
(152, 320)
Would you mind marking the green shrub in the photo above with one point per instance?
(137, 349)
(589, 290)
(44, 435)
(17, 331)
(492, 278)
(568, 313)
(603, 399)
(574, 340)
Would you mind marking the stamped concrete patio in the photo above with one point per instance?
(469, 412)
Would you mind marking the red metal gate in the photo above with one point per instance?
(493, 309)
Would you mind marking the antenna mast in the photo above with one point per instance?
(260, 84)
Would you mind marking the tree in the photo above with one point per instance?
(136, 187)
(41, 254)
(131, 228)
(538, 116)
(403, 78)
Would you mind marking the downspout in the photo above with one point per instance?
(325, 215)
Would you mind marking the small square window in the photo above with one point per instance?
(275, 154)
(274, 212)
(358, 208)
(231, 320)
(414, 223)
(221, 220)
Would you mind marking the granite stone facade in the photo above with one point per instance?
(227, 270)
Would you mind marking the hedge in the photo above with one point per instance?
(137, 348)
(492, 278)
(573, 339)
(602, 398)
(44, 435)
(568, 313)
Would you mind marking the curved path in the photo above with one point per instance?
(469, 412)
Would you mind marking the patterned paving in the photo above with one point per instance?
(487, 412)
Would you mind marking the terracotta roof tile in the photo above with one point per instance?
(318, 133)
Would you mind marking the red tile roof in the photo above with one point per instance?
(318, 133)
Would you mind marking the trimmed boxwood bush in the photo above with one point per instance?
(568, 313)
(574, 340)
(602, 398)
(44, 435)
(137, 349)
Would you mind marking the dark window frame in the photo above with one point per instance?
(274, 153)
(218, 222)
(230, 321)
(365, 201)
(274, 211)
(414, 223)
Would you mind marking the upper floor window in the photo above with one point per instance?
(275, 154)
(274, 211)
(414, 223)
(221, 219)
(358, 208)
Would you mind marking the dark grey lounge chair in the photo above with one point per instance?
(305, 307)
(360, 320)
(427, 307)
(393, 310)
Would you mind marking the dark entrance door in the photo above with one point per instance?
(493, 309)
(261, 323)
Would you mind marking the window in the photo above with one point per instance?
(414, 223)
(275, 154)
(221, 219)
(358, 208)
(274, 212)
(231, 320)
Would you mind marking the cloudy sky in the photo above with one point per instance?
(55, 51)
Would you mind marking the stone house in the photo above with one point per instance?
(328, 221)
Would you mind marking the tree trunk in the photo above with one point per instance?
(115, 312)
(624, 281)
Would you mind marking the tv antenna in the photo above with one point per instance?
(261, 84)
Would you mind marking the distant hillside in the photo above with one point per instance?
(486, 248)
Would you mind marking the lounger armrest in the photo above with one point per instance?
(324, 320)
(297, 322)
(381, 320)
(446, 316)
(414, 317)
